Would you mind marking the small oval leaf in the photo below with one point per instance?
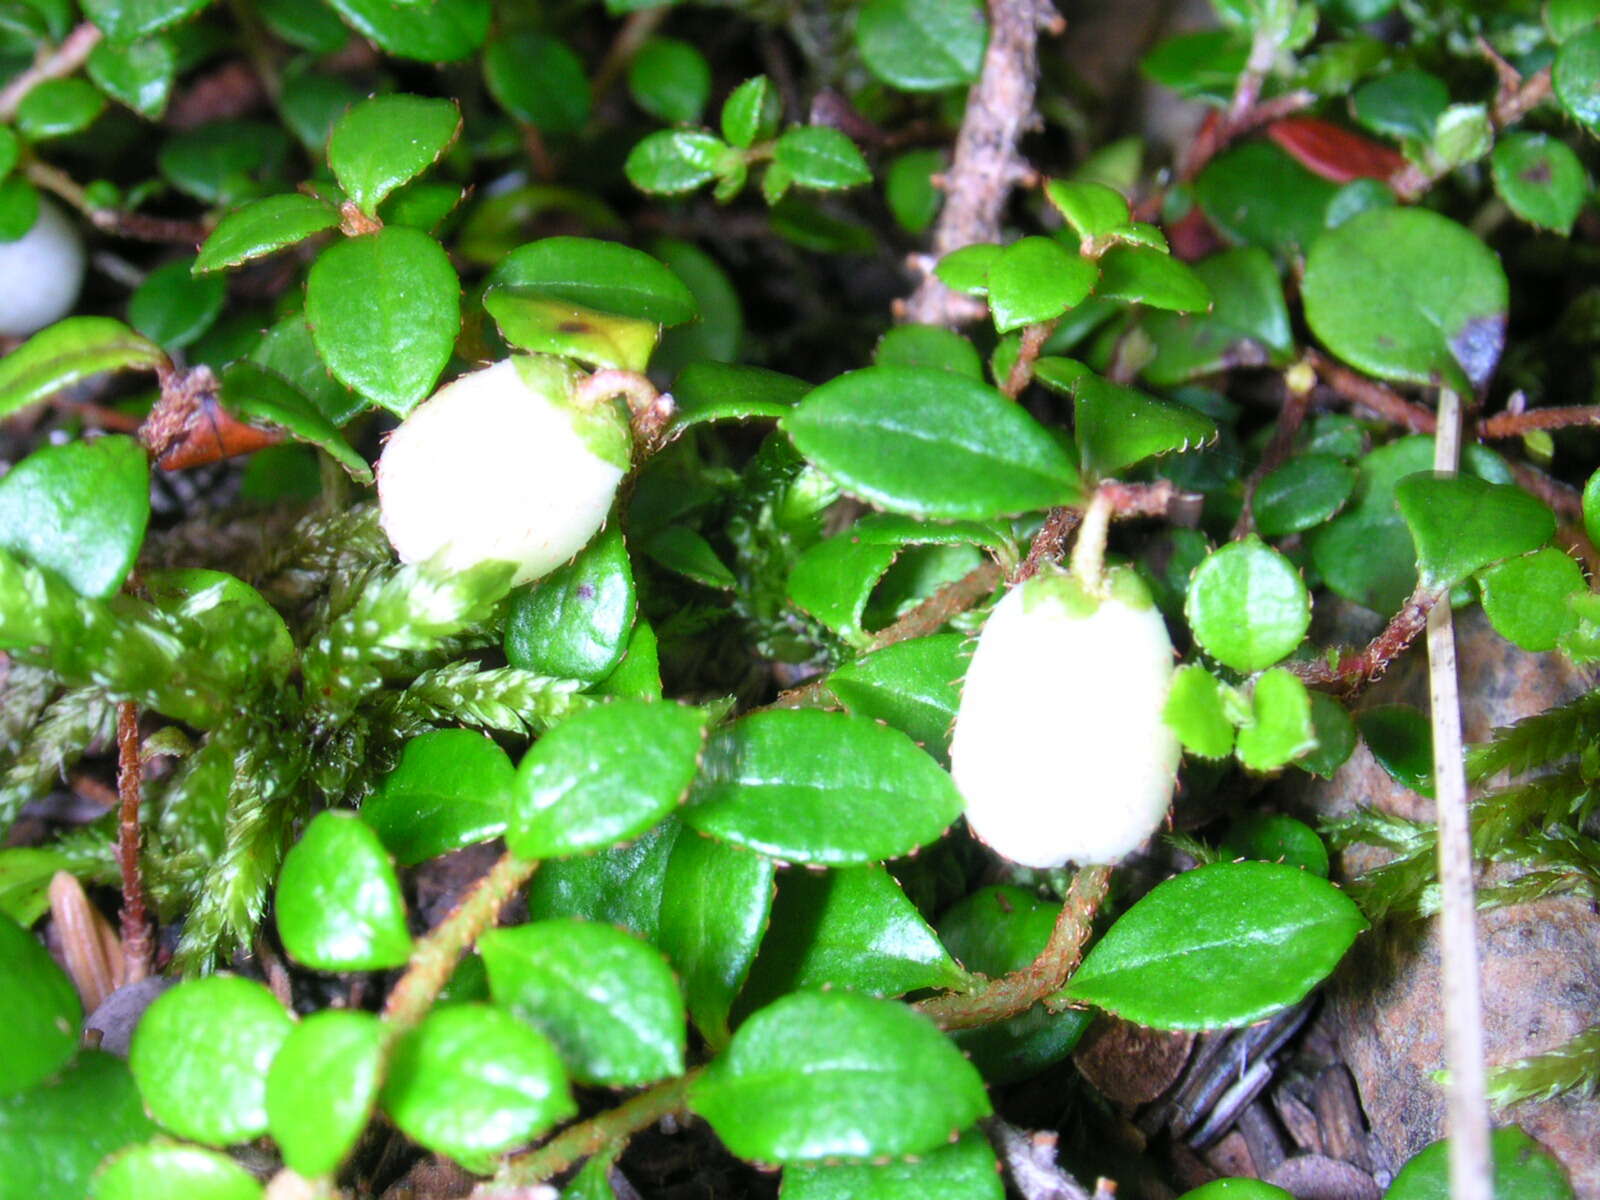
(339, 904)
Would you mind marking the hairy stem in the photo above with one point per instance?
(435, 956)
(587, 1138)
(1089, 551)
(1467, 1108)
(1021, 990)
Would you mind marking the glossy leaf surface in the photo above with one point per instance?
(820, 787)
(69, 351)
(574, 622)
(1461, 524)
(322, 1086)
(339, 906)
(1247, 605)
(606, 1000)
(1220, 945)
(263, 227)
(451, 788)
(44, 1008)
(965, 1170)
(913, 685)
(169, 1171)
(53, 1135)
(828, 1075)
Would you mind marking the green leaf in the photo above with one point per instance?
(226, 622)
(264, 227)
(19, 208)
(909, 190)
(1540, 179)
(708, 391)
(223, 161)
(169, 1171)
(79, 510)
(998, 930)
(1247, 605)
(57, 108)
(1256, 195)
(1117, 426)
(10, 152)
(602, 776)
(1196, 712)
(1335, 733)
(672, 161)
(966, 1170)
(751, 112)
(607, 277)
(69, 351)
(1091, 209)
(1591, 503)
(1401, 740)
(819, 787)
(1302, 494)
(1037, 279)
(471, 1081)
(430, 32)
(1272, 837)
(574, 622)
(1222, 945)
(1248, 324)
(288, 351)
(1198, 64)
(322, 1087)
(670, 80)
(308, 24)
(922, 45)
(816, 156)
(680, 549)
(538, 79)
(1563, 18)
(339, 905)
(715, 901)
(1462, 524)
(833, 580)
(128, 20)
(173, 306)
(42, 1009)
(550, 326)
(52, 1136)
(718, 336)
(254, 394)
(386, 141)
(201, 1053)
(1375, 296)
(1142, 275)
(852, 928)
(817, 1076)
(967, 270)
(621, 885)
(1576, 76)
(1402, 104)
(1525, 598)
(1523, 1170)
(928, 346)
(931, 444)
(914, 686)
(384, 310)
(451, 788)
(1237, 1189)
(311, 103)
(138, 74)
(607, 1000)
(1280, 727)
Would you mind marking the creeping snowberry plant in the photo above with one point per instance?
(582, 578)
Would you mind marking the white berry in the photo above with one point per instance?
(502, 464)
(1059, 747)
(43, 271)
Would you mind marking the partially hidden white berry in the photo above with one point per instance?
(1060, 749)
(43, 272)
(502, 464)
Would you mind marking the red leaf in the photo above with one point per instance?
(1334, 152)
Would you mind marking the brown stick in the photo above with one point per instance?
(135, 226)
(1048, 542)
(137, 941)
(986, 164)
(57, 64)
